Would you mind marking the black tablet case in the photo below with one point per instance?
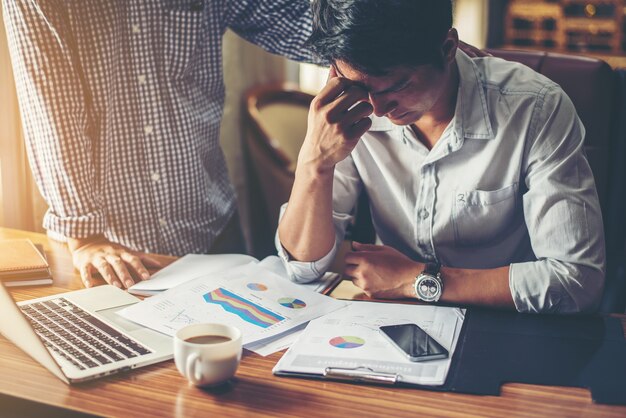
(497, 347)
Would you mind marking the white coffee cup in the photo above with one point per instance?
(207, 354)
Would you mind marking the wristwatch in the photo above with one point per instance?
(428, 284)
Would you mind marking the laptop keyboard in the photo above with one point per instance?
(79, 337)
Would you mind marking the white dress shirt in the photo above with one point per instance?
(506, 184)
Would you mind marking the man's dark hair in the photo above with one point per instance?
(373, 36)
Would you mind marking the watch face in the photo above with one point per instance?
(428, 288)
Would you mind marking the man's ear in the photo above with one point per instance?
(450, 45)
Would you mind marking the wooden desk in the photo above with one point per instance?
(159, 390)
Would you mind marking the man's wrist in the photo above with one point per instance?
(312, 169)
(428, 285)
(76, 243)
(314, 177)
(409, 291)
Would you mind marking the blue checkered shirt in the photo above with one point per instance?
(121, 104)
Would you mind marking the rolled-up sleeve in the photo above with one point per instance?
(346, 188)
(563, 216)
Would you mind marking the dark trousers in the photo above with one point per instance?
(230, 240)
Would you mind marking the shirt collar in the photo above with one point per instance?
(382, 124)
(471, 113)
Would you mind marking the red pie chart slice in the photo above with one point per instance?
(347, 341)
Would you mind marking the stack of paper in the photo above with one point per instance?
(347, 342)
(188, 268)
(193, 266)
(260, 303)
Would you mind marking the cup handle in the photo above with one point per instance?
(191, 369)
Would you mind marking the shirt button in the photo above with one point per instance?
(155, 177)
(423, 213)
(136, 29)
(148, 129)
(197, 6)
(141, 79)
(162, 222)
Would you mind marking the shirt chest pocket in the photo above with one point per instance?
(482, 217)
(184, 28)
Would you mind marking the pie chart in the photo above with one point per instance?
(292, 303)
(347, 342)
(259, 287)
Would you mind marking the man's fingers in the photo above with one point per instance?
(332, 73)
(107, 272)
(357, 246)
(350, 271)
(354, 115)
(332, 90)
(118, 265)
(85, 275)
(353, 259)
(350, 98)
(358, 129)
(150, 261)
(120, 269)
(135, 263)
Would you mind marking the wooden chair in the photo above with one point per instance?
(276, 119)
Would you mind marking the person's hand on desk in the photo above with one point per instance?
(118, 265)
(381, 271)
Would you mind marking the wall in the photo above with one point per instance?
(21, 205)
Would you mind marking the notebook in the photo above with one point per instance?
(23, 264)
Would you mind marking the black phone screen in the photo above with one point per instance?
(414, 341)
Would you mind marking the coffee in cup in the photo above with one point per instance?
(208, 339)
(207, 354)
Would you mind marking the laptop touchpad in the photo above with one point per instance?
(111, 316)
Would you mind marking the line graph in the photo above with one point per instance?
(243, 308)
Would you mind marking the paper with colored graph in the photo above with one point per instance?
(255, 300)
(349, 340)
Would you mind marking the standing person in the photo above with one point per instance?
(122, 102)
(479, 188)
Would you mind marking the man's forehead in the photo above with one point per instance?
(347, 71)
(368, 81)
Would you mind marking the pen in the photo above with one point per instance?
(361, 374)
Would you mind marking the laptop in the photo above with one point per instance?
(78, 336)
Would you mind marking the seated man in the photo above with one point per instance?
(479, 189)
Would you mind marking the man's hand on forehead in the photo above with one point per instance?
(357, 90)
(338, 117)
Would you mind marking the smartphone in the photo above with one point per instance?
(413, 342)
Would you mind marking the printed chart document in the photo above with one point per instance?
(346, 344)
(192, 266)
(260, 303)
